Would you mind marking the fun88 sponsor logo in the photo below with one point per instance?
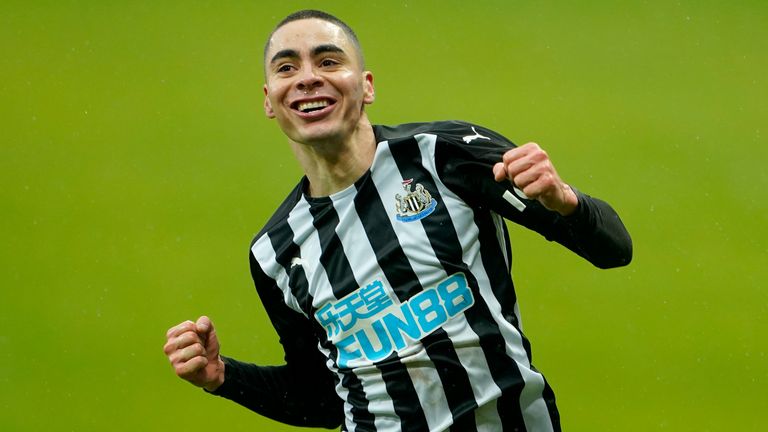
(368, 325)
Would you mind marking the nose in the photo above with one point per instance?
(308, 80)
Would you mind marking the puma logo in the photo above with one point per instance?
(469, 138)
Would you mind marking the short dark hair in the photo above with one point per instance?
(317, 14)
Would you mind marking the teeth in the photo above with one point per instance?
(313, 105)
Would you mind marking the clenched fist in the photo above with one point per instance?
(193, 349)
(528, 167)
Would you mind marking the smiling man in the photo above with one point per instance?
(386, 271)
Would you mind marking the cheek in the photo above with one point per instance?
(275, 92)
(351, 82)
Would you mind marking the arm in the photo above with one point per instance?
(586, 225)
(521, 184)
(292, 394)
(300, 392)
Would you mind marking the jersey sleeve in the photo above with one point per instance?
(465, 165)
(300, 392)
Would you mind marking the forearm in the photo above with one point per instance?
(281, 393)
(595, 232)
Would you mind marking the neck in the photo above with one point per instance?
(334, 165)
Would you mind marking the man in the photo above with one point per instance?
(386, 270)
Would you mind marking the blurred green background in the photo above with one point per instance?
(136, 164)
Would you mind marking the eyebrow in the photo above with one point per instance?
(292, 53)
(283, 54)
(326, 48)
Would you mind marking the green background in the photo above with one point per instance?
(136, 164)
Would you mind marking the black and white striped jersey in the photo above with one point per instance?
(393, 298)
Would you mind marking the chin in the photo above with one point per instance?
(318, 135)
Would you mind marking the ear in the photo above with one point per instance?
(267, 104)
(368, 91)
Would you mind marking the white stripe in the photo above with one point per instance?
(354, 240)
(463, 337)
(465, 340)
(472, 358)
(306, 236)
(512, 199)
(264, 254)
(417, 249)
(379, 403)
(498, 223)
(535, 413)
(359, 254)
(412, 236)
(340, 390)
(426, 382)
(532, 405)
(319, 285)
(463, 220)
(487, 417)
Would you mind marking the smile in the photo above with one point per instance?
(307, 107)
(312, 106)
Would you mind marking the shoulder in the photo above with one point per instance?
(450, 131)
(283, 211)
(445, 128)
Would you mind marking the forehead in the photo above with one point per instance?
(304, 34)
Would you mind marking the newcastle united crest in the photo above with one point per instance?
(415, 204)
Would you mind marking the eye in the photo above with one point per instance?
(328, 62)
(284, 68)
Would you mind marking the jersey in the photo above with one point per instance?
(393, 298)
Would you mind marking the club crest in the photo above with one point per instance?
(417, 203)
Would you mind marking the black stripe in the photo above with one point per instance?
(464, 423)
(339, 271)
(549, 399)
(384, 241)
(445, 243)
(456, 385)
(403, 394)
(362, 418)
(332, 256)
(508, 378)
(503, 368)
(281, 237)
(508, 407)
(400, 274)
(498, 270)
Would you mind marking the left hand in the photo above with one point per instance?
(528, 167)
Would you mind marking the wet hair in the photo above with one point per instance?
(317, 14)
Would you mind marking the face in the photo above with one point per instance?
(315, 86)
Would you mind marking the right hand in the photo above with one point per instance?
(193, 349)
(529, 168)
